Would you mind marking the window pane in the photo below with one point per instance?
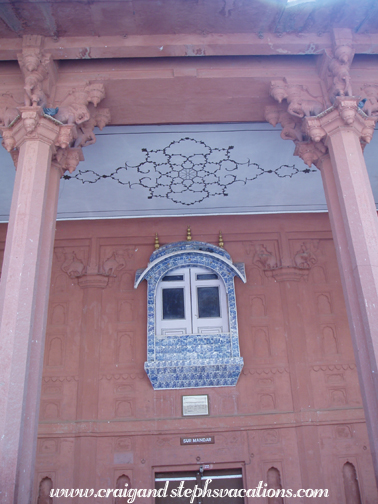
(208, 302)
(173, 304)
(207, 276)
(173, 278)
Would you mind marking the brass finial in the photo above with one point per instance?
(157, 244)
(220, 242)
(188, 234)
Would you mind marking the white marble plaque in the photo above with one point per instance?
(195, 405)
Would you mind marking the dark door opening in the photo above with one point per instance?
(200, 487)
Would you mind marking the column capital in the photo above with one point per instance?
(312, 133)
(345, 113)
(30, 124)
(33, 124)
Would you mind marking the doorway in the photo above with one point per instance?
(209, 486)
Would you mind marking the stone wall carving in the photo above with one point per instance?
(98, 272)
(264, 258)
(304, 257)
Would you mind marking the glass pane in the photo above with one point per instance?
(173, 278)
(208, 302)
(173, 304)
(207, 276)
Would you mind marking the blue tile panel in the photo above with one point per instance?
(192, 360)
(192, 347)
(199, 373)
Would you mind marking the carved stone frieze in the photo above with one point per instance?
(332, 367)
(60, 378)
(124, 376)
(265, 371)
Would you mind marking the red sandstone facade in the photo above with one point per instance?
(297, 405)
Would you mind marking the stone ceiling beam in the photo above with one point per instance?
(157, 46)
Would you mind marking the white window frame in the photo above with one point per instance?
(192, 323)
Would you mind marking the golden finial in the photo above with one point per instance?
(220, 242)
(157, 244)
(188, 234)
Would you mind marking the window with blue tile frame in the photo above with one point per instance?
(192, 330)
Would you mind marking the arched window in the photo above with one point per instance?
(192, 332)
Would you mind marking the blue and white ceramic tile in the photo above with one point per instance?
(192, 360)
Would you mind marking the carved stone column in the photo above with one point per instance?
(355, 230)
(44, 141)
(23, 298)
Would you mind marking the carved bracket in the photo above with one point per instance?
(335, 65)
(300, 102)
(310, 133)
(76, 115)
